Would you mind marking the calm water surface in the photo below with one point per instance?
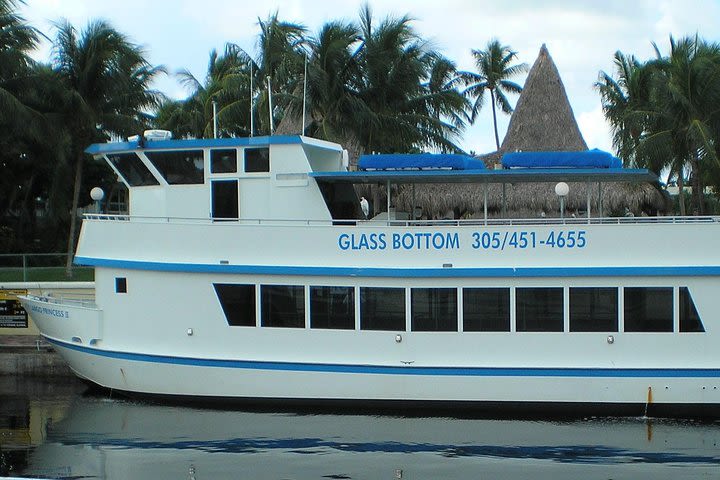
(56, 430)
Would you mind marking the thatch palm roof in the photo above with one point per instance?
(543, 119)
(527, 200)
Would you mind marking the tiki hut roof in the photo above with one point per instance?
(543, 119)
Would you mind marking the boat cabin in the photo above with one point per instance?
(227, 178)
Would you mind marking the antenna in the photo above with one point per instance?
(252, 98)
(214, 103)
(304, 95)
(270, 108)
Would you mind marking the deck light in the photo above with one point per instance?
(97, 195)
(562, 190)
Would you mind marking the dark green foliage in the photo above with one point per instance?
(665, 114)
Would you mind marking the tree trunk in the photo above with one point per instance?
(73, 213)
(697, 187)
(681, 188)
(492, 103)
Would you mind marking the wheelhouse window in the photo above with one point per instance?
(257, 160)
(648, 309)
(238, 303)
(433, 309)
(689, 318)
(382, 308)
(120, 285)
(282, 306)
(539, 309)
(132, 169)
(182, 167)
(332, 308)
(593, 309)
(486, 309)
(223, 161)
(224, 195)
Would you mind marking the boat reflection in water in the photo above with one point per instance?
(120, 439)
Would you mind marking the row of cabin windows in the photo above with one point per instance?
(541, 309)
(187, 167)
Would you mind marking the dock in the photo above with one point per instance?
(30, 355)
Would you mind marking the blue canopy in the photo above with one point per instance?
(587, 159)
(421, 161)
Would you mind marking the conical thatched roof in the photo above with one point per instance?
(543, 119)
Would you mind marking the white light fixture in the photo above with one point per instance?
(97, 195)
(562, 190)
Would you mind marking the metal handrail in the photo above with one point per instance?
(64, 300)
(410, 223)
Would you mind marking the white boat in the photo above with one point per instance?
(245, 270)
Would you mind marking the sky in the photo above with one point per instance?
(581, 36)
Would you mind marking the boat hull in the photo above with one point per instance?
(494, 391)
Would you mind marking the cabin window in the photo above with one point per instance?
(433, 309)
(382, 308)
(224, 199)
(486, 309)
(183, 167)
(257, 160)
(223, 161)
(332, 308)
(132, 169)
(238, 303)
(539, 309)
(282, 306)
(689, 318)
(120, 285)
(593, 309)
(648, 309)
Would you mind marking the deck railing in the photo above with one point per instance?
(78, 300)
(412, 223)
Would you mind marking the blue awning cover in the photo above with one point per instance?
(586, 159)
(419, 161)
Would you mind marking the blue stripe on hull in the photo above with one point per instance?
(497, 272)
(407, 370)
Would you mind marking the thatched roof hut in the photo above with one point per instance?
(543, 121)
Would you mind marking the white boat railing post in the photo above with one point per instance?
(485, 195)
(270, 108)
(588, 189)
(388, 202)
(252, 102)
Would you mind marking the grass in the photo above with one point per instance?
(47, 274)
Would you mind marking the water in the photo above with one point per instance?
(56, 430)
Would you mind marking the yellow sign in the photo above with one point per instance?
(12, 313)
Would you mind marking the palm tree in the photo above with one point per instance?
(625, 102)
(106, 81)
(407, 88)
(686, 109)
(333, 73)
(226, 85)
(17, 39)
(665, 113)
(282, 48)
(494, 69)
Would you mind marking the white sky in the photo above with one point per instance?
(581, 35)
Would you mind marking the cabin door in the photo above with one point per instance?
(224, 199)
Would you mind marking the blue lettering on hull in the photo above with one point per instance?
(399, 241)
